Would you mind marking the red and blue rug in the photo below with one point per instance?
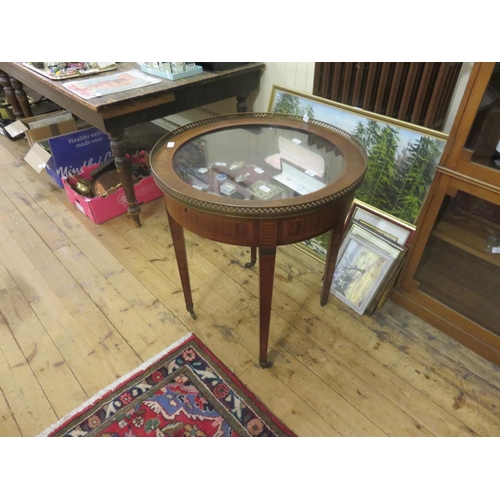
(184, 391)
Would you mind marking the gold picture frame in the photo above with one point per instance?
(398, 180)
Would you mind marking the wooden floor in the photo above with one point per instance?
(82, 305)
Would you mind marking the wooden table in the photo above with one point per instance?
(221, 181)
(114, 112)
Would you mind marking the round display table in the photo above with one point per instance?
(258, 180)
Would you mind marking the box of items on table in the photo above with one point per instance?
(171, 70)
(58, 147)
(97, 190)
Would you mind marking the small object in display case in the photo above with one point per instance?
(265, 191)
(227, 188)
(236, 165)
(294, 177)
(242, 177)
(200, 186)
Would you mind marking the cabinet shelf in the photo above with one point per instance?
(468, 232)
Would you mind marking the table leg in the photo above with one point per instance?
(179, 242)
(124, 169)
(242, 104)
(331, 260)
(21, 96)
(267, 260)
(10, 94)
(253, 257)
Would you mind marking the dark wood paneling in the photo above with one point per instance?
(417, 92)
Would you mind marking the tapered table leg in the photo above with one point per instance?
(124, 169)
(267, 260)
(177, 232)
(331, 260)
(253, 257)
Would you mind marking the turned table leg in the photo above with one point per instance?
(10, 94)
(177, 232)
(242, 104)
(21, 96)
(331, 260)
(124, 169)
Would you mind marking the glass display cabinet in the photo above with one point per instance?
(451, 278)
(258, 180)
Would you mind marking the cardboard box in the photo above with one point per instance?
(67, 153)
(57, 145)
(102, 209)
(40, 127)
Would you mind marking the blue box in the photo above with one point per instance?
(72, 152)
(69, 153)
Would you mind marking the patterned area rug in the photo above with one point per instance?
(184, 391)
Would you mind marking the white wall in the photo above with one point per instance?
(463, 78)
(298, 76)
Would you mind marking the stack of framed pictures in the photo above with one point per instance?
(370, 258)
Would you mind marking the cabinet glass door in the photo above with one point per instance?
(484, 135)
(460, 266)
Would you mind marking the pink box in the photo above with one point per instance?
(102, 209)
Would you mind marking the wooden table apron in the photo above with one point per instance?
(275, 225)
(114, 112)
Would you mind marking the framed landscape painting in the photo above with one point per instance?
(402, 158)
(360, 270)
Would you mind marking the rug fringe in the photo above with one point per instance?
(114, 384)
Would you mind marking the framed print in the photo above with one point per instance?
(402, 157)
(361, 268)
(387, 226)
(371, 237)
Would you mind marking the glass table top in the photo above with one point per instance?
(258, 162)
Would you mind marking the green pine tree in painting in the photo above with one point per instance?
(360, 134)
(416, 178)
(290, 105)
(381, 142)
(368, 135)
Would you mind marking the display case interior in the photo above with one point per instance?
(288, 163)
(460, 266)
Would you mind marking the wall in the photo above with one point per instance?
(463, 78)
